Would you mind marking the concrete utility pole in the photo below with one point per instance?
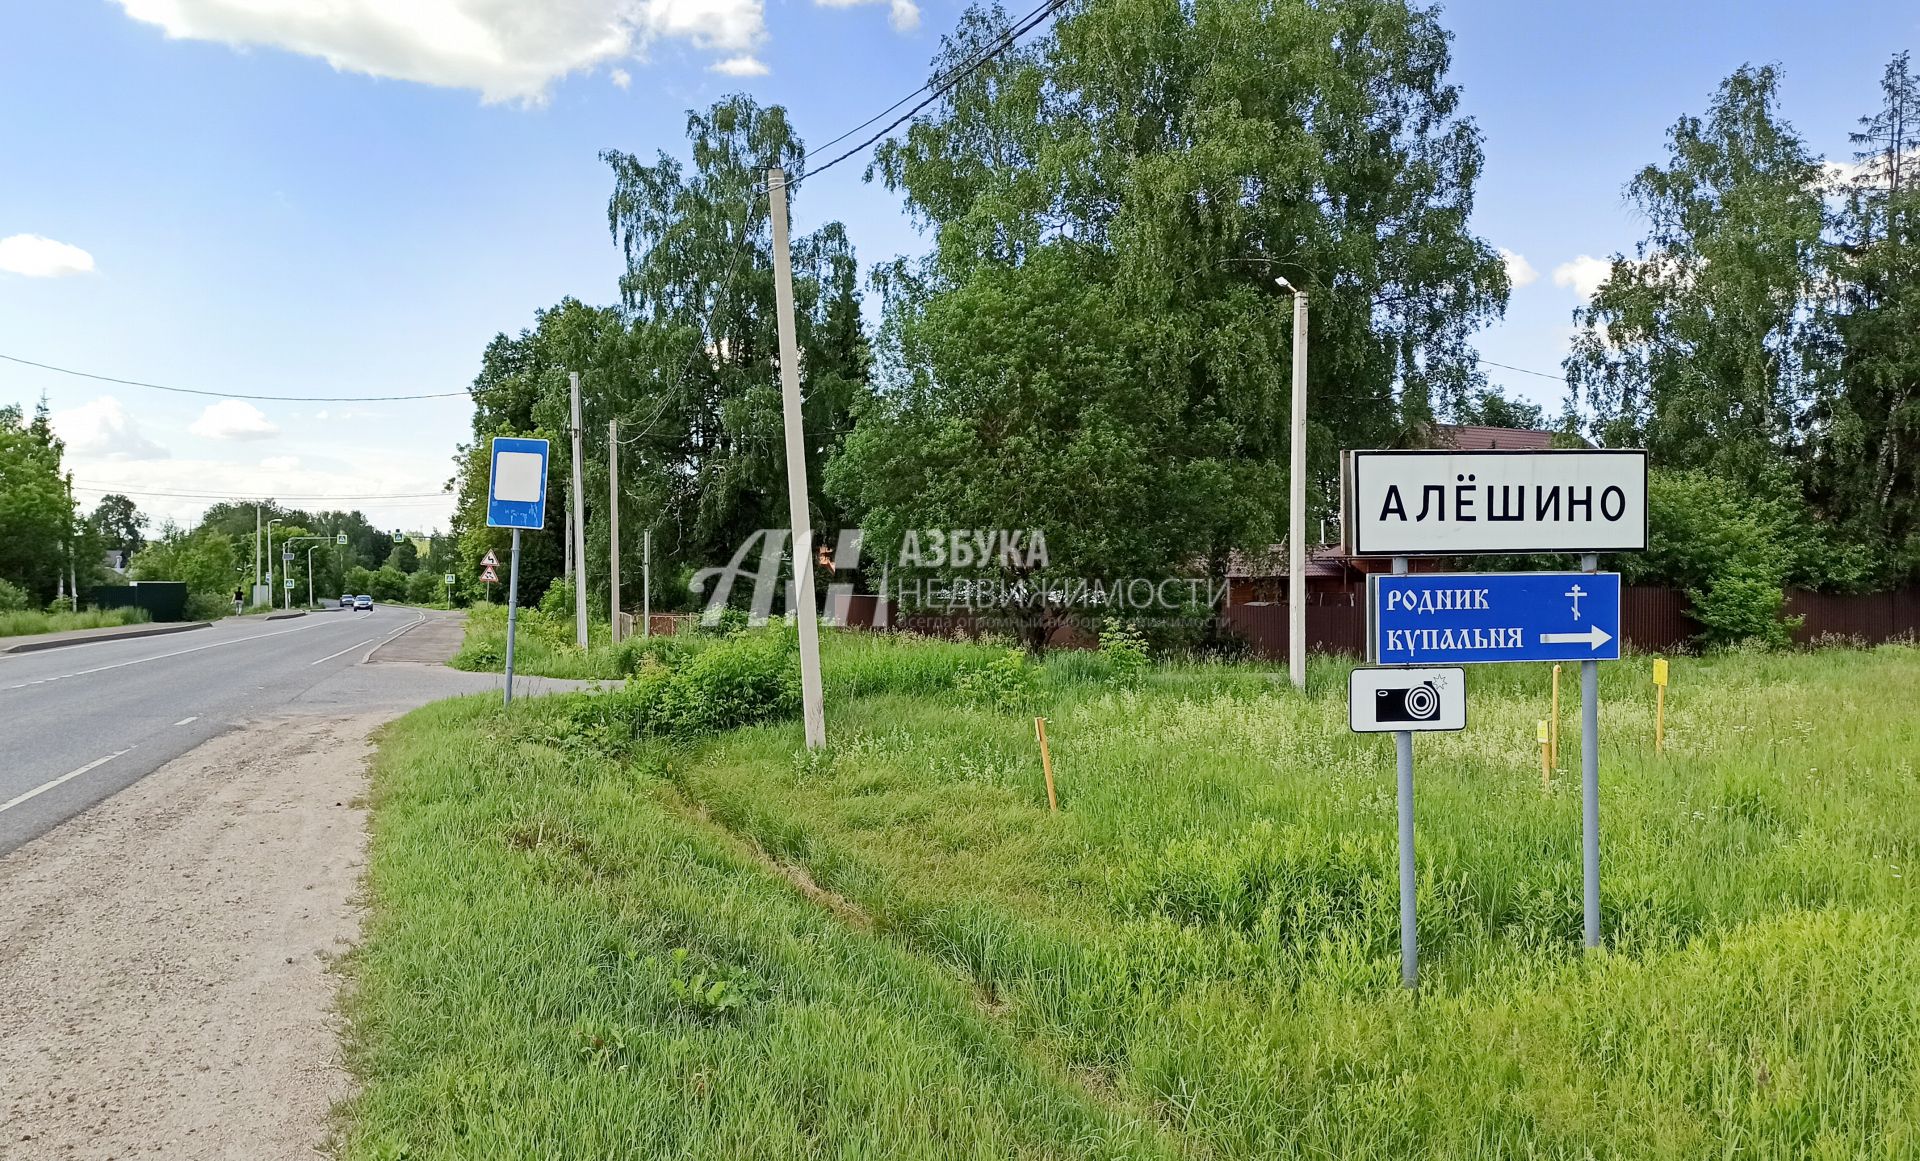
(806, 612)
(579, 514)
(73, 570)
(1297, 499)
(256, 553)
(269, 555)
(613, 522)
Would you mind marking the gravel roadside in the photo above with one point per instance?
(167, 961)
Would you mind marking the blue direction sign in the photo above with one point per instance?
(517, 483)
(1474, 618)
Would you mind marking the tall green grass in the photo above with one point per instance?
(561, 963)
(1212, 919)
(20, 624)
(1197, 956)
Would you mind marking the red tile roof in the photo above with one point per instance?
(1466, 437)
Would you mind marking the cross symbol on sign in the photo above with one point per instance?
(1576, 592)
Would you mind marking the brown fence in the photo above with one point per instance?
(1872, 617)
(1652, 619)
(1330, 628)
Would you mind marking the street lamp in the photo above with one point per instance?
(1297, 498)
(270, 524)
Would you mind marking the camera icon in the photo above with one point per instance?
(1418, 703)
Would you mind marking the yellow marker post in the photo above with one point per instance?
(1546, 768)
(1553, 723)
(1659, 705)
(1046, 762)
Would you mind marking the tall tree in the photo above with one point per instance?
(1127, 188)
(36, 517)
(1865, 422)
(1692, 347)
(119, 524)
(703, 420)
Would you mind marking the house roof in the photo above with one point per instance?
(1323, 560)
(1471, 437)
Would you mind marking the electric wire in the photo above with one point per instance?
(939, 89)
(231, 394)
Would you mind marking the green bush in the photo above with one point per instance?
(208, 606)
(13, 598)
(673, 693)
(1126, 649)
(1743, 608)
(749, 679)
(556, 604)
(1007, 683)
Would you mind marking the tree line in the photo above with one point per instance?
(52, 549)
(1094, 343)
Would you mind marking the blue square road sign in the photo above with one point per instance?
(517, 483)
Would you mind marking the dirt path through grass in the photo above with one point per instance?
(166, 956)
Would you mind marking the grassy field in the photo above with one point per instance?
(543, 646)
(21, 624)
(1196, 957)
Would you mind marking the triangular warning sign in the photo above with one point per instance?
(490, 560)
(490, 577)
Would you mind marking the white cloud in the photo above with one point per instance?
(621, 78)
(1584, 274)
(741, 66)
(1520, 272)
(103, 428)
(281, 463)
(506, 49)
(904, 15)
(1841, 175)
(38, 257)
(234, 419)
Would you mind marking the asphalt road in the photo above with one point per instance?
(79, 723)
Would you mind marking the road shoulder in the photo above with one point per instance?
(167, 955)
(33, 643)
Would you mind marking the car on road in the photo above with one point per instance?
(363, 602)
(346, 600)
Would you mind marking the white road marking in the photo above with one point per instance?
(184, 721)
(161, 656)
(418, 620)
(348, 649)
(67, 777)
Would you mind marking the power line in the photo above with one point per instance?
(961, 70)
(1525, 371)
(233, 394)
(1005, 41)
(414, 496)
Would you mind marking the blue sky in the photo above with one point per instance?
(224, 208)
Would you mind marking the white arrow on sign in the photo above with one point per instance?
(1594, 637)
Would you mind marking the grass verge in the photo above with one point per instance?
(561, 963)
(21, 624)
(1196, 957)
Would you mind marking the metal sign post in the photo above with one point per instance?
(516, 499)
(1447, 503)
(1409, 870)
(513, 609)
(1590, 784)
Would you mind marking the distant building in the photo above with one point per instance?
(1472, 437)
(115, 560)
(1333, 577)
